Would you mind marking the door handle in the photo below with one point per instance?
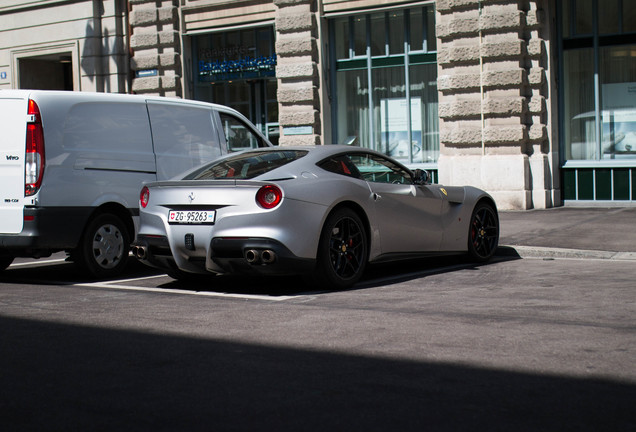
(376, 197)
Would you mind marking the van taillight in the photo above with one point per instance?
(34, 160)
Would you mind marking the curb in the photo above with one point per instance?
(547, 252)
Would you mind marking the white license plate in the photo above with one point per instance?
(191, 217)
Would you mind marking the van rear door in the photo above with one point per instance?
(13, 119)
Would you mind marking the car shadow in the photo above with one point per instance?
(376, 275)
(404, 271)
(379, 274)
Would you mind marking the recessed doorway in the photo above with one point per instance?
(46, 72)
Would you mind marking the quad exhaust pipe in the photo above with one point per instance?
(140, 252)
(252, 256)
(268, 256)
(255, 256)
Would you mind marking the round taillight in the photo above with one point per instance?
(269, 196)
(144, 196)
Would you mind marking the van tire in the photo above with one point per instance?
(5, 262)
(104, 247)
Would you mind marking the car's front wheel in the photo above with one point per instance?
(104, 246)
(342, 250)
(483, 233)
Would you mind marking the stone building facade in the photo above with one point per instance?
(155, 43)
(494, 118)
(532, 100)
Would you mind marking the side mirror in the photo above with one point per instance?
(421, 177)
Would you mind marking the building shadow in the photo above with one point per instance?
(64, 377)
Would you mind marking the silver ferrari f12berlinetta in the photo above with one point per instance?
(321, 211)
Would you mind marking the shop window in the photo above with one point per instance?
(378, 35)
(599, 77)
(353, 126)
(584, 19)
(237, 68)
(385, 83)
(608, 17)
(359, 36)
(580, 129)
(424, 113)
(395, 22)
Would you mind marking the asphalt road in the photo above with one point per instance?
(440, 345)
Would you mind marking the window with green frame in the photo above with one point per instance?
(599, 79)
(396, 52)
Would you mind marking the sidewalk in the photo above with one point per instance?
(604, 233)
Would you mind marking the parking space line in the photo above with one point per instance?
(135, 279)
(38, 262)
(113, 285)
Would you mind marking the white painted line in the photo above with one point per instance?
(135, 279)
(37, 262)
(111, 285)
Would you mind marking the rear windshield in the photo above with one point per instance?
(246, 165)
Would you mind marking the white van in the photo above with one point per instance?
(72, 165)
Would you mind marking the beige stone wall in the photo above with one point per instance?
(493, 86)
(92, 34)
(297, 72)
(209, 14)
(155, 43)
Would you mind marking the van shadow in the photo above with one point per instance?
(67, 377)
(66, 272)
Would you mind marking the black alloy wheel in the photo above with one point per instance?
(104, 247)
(483, 234)
(342, 252)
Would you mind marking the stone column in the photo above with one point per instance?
(493, 115)
(156, 47)
(297, 72)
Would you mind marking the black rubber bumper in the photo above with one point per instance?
(46, 230)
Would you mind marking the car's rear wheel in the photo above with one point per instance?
(104, 246)
(483, 233)
(342, 250)
(5, 262)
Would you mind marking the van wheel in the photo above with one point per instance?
(104, 246)
(5, 262)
